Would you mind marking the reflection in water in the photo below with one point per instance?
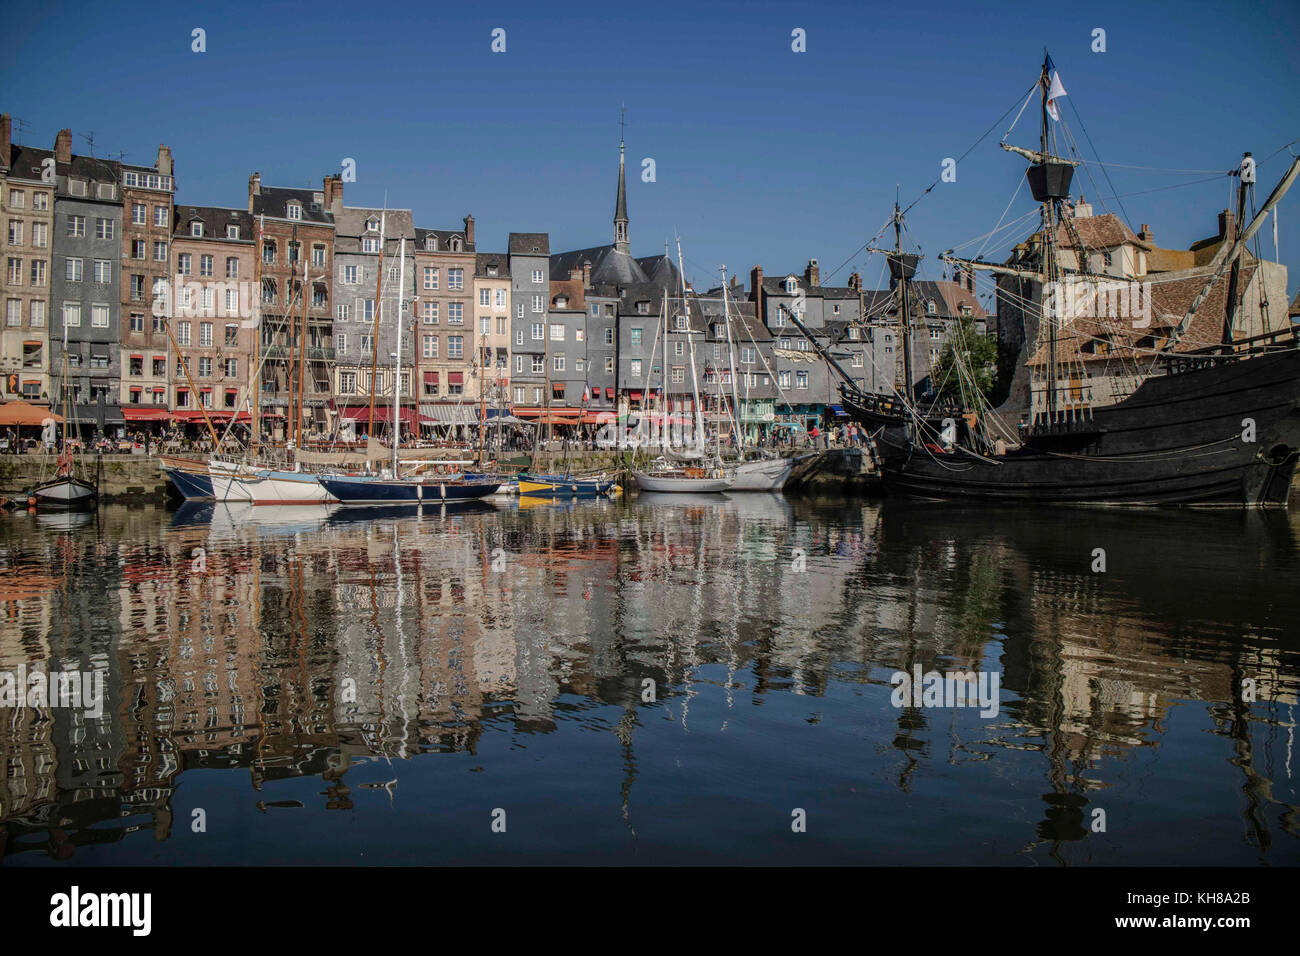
(661, 680)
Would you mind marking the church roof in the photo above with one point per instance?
(609, 266)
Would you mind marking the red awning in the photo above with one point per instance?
(598, 418)
(215, 414)
(430, 378)
(609, 394)
(146, 414)
(455, 378)
(383, 413)
(557, 389)
(635, 396)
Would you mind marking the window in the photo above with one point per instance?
(368, 309)
(538, 365)
(205, 367)
(456, 279)
(76, 226)
(679, 349)
(501, 326)
(294, 210)
(557, 363)
(13, 312)
(196, 229)
(430, 313)
(485, 297)
(519, 310)
(38, 311)
(455, 313)
(137, 288)
(430, 278)
(103, 229)
(160, 251)
(17, 198)
(349, 275)
(930, 307)
(341, 312)
(232, 267)
(295, 251)
(318, 255)
(519, 364)
(455, 346)
(538, 332)
(99, 316)
(232, 335)
(484, 326)
(232, 232)
(268, 252)
(347, 382)
(16, 271)
(609, 366)
(183, 333)
(537, 275)
(643, 308)
(205, 335)
(205, 266)
(791, 285)
(537, 303)
(15, 232)
(160, 215)
(557, 332)
(136, 324)
(746, 356)
(137, 249)
(636, 368)
(71, 269)
(634, 337)
(77, 187)
(341, 340)
(183, 263)
(679, 374)
(39, 200)
(40, 235)
(38, 273)
(801, 380)
(159, 366)
(501, 298)
(367, 343)
(430, 349)
(857, 360)
(609, 336)
(537, 395)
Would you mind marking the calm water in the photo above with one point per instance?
(369, 687)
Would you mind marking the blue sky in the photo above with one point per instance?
(762, 155)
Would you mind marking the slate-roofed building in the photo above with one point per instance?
(213, 319)
(359, 235)
(85, 284)
(147, 194)
(446, 362)
(27, 200)
(297, 243)
(492, 313)
(530, 288)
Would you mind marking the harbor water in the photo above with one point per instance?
(659, 680)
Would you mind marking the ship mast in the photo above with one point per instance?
(1049, 258)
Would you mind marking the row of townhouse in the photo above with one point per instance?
(176, 313)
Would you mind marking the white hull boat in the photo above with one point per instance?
(64, 492)
(680, 484)
(769, 474)
(266, 487)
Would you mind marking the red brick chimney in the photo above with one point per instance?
(63, 146)
(164, 162)
(332, 187)
(855, 282)
(1227, 224)
(254, 189)
(812, 274)
(469, 230)
(1146, 235)
(586, 273)
(6, 133)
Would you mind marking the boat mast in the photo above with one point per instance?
(397, 371)
(257, 333)
(482, 397)
(1247, 176)
(731, 357)
(690, 347)
(1049, 258)
(898, 266)
(302, 357)
(374, 334)
(663, 402)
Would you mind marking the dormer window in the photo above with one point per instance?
(1106, 258)
(196, 229)
(492, 271)
(455, 243)
(561, 301)
(372, 224)
(791, 285)
(930, 307)
(232, 232)
(431, 244)
(294, 210)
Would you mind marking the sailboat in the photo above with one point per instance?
(667, 473)
(65, 490)
(1215, 426)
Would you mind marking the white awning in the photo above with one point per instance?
(439, 414)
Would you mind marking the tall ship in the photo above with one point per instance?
(1150, 407)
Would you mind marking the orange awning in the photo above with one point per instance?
(24, 413)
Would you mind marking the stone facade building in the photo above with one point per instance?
(147, 220)
(27, 201)
(447, 347)
(213, 315)
(492, 315)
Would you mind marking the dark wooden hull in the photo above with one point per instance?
(1177, 440)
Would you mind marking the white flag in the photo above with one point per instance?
(1055, 90)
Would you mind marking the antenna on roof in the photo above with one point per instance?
(22, 126)
(89, 137)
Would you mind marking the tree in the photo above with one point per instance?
(979, 355)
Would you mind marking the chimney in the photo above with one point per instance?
(1227, 224)
(63, 146)
(755, 283)
(575, 274)
(332, 187)
(254, 189)
(586, 273)
(164, 163)
(469, 230)
(735, 280)
(855, 282)
(812, 274)
(6, 132)
(1146, 235)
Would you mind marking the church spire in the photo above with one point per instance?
(620, 207)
